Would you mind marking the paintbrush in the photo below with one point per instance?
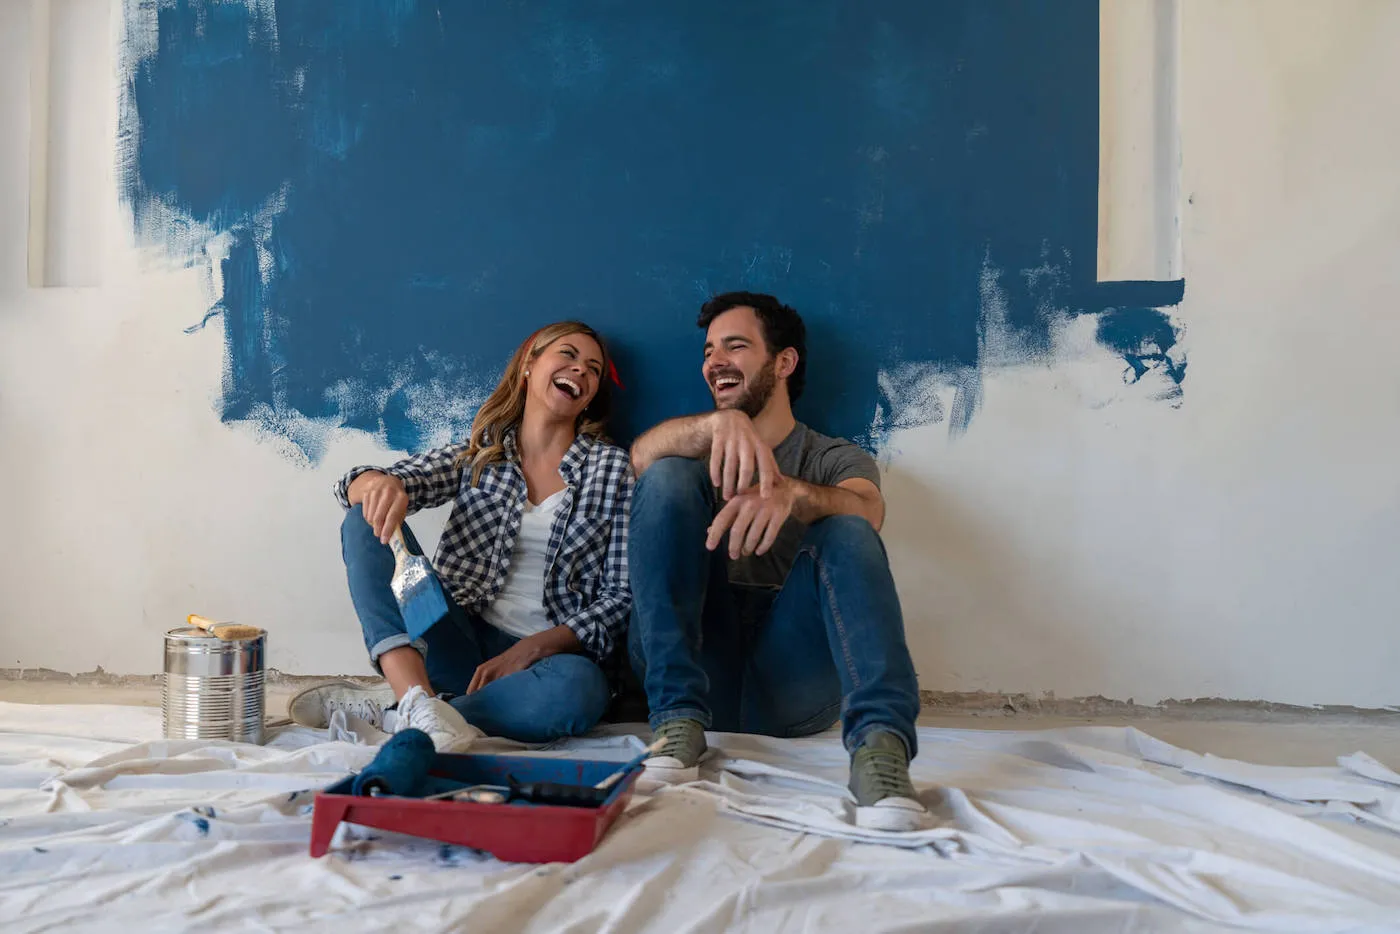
(417, 589)
(637, 760)
(229, 632)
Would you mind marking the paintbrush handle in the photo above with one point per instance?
(398, 546)
(631, 764)
(202, 622)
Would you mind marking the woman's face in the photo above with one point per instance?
(565, 377)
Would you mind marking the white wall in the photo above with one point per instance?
(1079, 539)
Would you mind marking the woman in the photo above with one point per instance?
(533, 556)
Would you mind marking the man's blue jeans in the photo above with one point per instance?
(562, 695)
(739, 659)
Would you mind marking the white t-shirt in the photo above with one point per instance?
(519, 608)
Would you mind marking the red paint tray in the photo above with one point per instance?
(517, 832)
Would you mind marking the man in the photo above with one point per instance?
(762, 596)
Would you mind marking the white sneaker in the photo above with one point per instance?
(314, 706)
(419, 710)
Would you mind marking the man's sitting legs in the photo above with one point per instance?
(831, 643)
(836, 633)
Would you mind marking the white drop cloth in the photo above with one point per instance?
(104, 826)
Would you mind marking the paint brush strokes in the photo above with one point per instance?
(389, 195)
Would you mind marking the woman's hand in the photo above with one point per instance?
(383, 500)
(524, 654)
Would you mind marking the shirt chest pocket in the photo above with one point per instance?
(584, 549)
(476, 530)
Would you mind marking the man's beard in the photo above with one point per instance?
(760, 389)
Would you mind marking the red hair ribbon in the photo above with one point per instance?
(612, 375)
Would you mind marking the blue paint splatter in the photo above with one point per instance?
(201, 824)
(40, 849)
(405, 189)
(1146, 339)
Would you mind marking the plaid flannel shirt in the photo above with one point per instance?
(585, 582)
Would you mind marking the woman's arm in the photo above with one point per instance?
(523, 654)
(429, 479)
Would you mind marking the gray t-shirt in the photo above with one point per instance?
(813, 457)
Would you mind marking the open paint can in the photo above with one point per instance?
(213, 688)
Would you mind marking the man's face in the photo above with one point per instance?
(738, 367)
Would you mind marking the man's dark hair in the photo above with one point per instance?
(782, 328)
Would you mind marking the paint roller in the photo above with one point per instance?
(399, 768)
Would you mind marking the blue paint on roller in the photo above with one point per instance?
(400, 767)
(406, 189)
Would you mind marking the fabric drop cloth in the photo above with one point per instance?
(105, 826)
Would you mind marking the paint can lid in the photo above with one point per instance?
(195, 635)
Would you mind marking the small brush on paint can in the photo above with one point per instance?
(228, 632)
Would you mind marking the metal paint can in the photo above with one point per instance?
(213, 689)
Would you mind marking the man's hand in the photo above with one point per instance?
(383, 500)
(524, 654)
(737, 452)
(753, 520)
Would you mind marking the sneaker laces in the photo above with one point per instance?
(366, 709)
(420, 714)
(888, 774)
(676, 734)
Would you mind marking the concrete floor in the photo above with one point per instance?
(1265, 738)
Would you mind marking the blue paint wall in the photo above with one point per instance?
(410, 187)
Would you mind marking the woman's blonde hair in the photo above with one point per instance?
(504, 409)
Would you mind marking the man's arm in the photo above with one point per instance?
(727, 438)
(753, 520)
(854, 497)
(677, 437)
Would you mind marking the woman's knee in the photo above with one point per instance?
(578, 692)
(354, 527)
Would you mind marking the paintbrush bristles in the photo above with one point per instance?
(420, 595)
(233, 632)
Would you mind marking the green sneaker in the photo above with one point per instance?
(885, 798)
(679, 760)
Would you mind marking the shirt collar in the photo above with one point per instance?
(569, 467)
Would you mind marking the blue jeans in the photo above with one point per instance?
(751, 660)
(562, 695)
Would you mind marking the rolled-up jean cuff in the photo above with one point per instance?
(682, 713)
(388, 643)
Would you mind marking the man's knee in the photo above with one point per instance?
(844, 532)
(671, 476)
